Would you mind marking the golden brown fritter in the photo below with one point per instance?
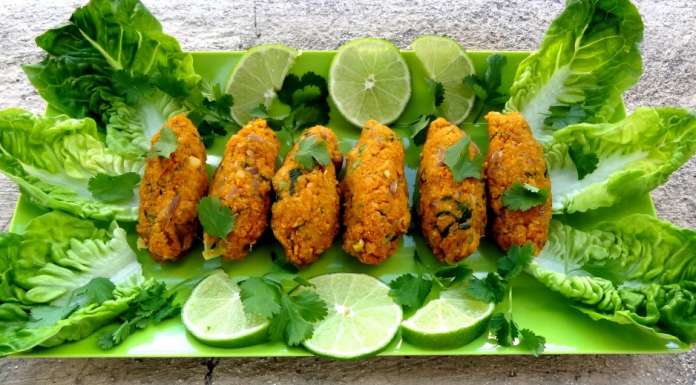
(515, 156)
(305, 214)
(243, 183)
(375, 195)
(452, 215)
(170, 191)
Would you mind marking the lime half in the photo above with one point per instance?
(450, 321)
(257, 77)
(369, 79)
(445, 61)
(214, 314)
(362, 318)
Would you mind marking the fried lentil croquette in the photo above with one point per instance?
(169, 193)
(242, 182)
(305, 216)
(375, 195)
(452, 215)
(515, 156)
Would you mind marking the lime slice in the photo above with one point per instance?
(257, 77)
(214, 314)
(362, 318)
(445, 61)
(450, 321)
(369, 79)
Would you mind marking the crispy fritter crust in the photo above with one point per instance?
(169, 194)
(306, 213)
(515, 156)
(452, 215)
(375, 195)
(243, 183)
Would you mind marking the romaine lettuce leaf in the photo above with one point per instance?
(637, 270)
(111, 62)
(53, 158)
(588, 58)
(42, 269)
(635, 155)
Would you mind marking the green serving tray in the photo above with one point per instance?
(567, 331)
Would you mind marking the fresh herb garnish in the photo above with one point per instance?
(503, 328)
(410, 290)
(113, 188)
(492, 288)
(96, 291)
(418, 129)
(457, 159)
(561, 116)
(438, 91)
(292, 316)
(166, 144)
(311, 152)
(217, 220)
(585, 162)
(152, 305)
(522, 197)
(212, 116)
(515, 260)
(293, 175)
(486, 88)
(532, 342)
(305, 105)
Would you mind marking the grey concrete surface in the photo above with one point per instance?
(669, 79)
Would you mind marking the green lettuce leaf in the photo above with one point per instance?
(637, 270)
(42, 271)
(111, 62)
(53, 158)
(635, 155)
(588, 58)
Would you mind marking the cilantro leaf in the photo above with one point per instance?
(585, 162)
(217, 220)
(294, 174)
(166, 144)
(260, 297)
(561, 116)
(457, 159)
(490, 289)
(438, 91)
(309, 305)
(410, 290)
(454, 274)
(113, 188)
(418, 128)
(532, 342)
(522, 197)
(212, 117)
(504, 329)
(516, 259)
(97, 290)
(312, 151)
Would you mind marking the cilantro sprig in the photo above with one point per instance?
(212, 113)
(152, 305)
(292, 316)
(217, 219)
(524, 196)
(486, 88)
(585, 161)
(458, 161)
(113, 188)
(302, 103)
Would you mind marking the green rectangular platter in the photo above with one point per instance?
(567, 331)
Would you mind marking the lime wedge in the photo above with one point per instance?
(369, 79)
(448, 322)
(214, 314)
(362, 318)
(445, 61)
(257, 77)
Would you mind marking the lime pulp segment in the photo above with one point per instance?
(369, 79)
(362, 319)
(446, 62)
(214, 314)
(257, 78)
